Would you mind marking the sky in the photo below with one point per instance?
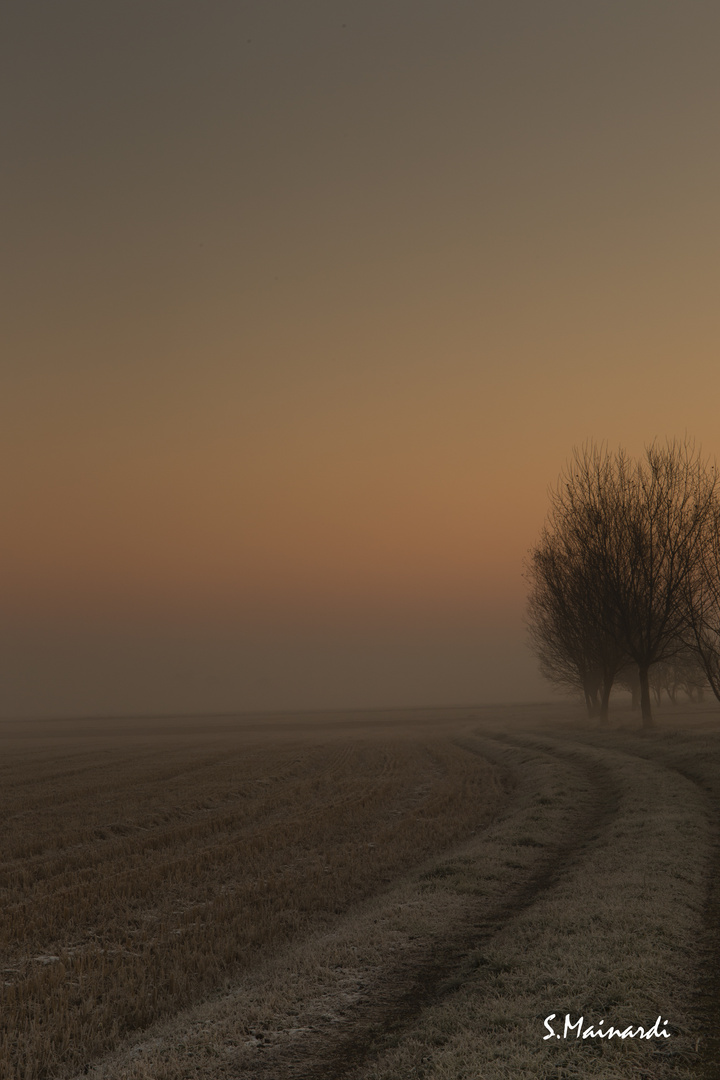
(305, 306)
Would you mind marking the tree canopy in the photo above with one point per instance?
(627, 570)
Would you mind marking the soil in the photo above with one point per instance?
(428, 973)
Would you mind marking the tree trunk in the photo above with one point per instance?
(635, 691)
(591, 700)
(605, 702)
(645, 704)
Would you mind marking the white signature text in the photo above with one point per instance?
(599, 1032)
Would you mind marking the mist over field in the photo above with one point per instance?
(359, 364)
(180, 670)
(305, 308)
(365, 895)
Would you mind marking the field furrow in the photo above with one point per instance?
(397, 895)
(150, 887)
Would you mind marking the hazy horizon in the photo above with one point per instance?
(306, 308)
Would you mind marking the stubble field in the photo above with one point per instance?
(379, 896)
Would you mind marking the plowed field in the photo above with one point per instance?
(374, 896)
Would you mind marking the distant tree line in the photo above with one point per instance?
(625, 578)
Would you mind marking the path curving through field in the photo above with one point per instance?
(576, 895)
(587, 894)
(431, 971)
(592, 890)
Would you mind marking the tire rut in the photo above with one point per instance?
(705, 1062)
(707, 995)
(430, 972)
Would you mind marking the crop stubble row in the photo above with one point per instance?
(135, 879)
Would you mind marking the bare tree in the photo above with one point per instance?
(661, 512)
(570, 614)
(635, 538)
(683, 672)
(628, 679)
(559, 633)
(703, 602)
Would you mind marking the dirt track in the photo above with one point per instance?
(429, 972)
(583, 895)
(703, 771)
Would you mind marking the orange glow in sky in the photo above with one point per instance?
(305, 312)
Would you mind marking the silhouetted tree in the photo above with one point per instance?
(635, 540)
(661, 513)
(570, 614)
(704, 606)
(559, 633)
(629, 679)
(683, 672)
